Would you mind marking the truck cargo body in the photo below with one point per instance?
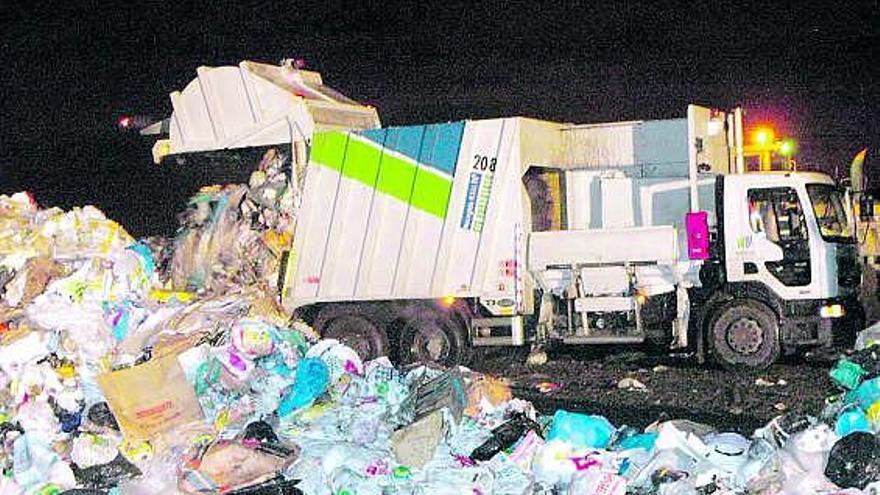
(432, 211)
(489, 211)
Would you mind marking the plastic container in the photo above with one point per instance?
(581, 430)
(847, 374)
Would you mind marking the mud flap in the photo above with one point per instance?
(682, 319)
(538, 355)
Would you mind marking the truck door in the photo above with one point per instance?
(768, 241)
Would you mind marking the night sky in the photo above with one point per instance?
(71, 69)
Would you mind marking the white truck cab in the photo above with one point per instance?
(785, 243)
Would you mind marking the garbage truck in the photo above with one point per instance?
(430, 242)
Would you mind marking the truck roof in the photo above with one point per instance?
(803, 176)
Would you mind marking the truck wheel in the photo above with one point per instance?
(431, 337)
(744, 334)
(355, 329)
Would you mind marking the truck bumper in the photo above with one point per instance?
(803, 324)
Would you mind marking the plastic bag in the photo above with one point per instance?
(414, 445)
(485, 392)
(868, 337)
(232, 465)
(847, 374)
(151, 398)
(105, 475)
(596, 482)
(276, 486)
(311, 381)
(854, 460)
(850, 421)
(581, 430)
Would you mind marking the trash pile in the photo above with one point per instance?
(111, 382)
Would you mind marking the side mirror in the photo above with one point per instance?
(866, 207)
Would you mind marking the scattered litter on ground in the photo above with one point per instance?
(548, 387)
(630, 383)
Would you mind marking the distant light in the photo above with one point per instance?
(764, 136)
(125, 122)
(448, 301)
(786, 147)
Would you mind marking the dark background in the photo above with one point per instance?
(71, 69)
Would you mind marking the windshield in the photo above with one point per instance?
(831, 213)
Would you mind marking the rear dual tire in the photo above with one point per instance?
(359, 329)
(434, 337)
(422, 333)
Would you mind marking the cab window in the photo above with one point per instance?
(777, 214)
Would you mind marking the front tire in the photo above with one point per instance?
(744, 334)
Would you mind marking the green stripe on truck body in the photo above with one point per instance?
(388, 172)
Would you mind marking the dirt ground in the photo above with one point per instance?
(675, 386)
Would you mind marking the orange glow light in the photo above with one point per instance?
(764, 136)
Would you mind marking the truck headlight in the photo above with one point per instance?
(832, 311)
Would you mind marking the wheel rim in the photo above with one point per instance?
(430, 343)
(357, 333)
(745, 336)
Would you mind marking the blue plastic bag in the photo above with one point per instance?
(851, 421)
(311, 380)
(581, 430)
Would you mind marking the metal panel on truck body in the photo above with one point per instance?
(485, 219)
(408, 213)
(656, 148)
(626, 180)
